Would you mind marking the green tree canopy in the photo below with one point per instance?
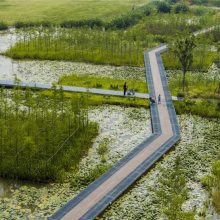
(183, 49)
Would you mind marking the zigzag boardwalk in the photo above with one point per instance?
(98, 195)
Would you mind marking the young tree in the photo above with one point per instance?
(183, 49)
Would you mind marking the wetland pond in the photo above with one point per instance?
(124, 128)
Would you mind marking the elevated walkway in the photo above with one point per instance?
(102, 192)
(105, 92)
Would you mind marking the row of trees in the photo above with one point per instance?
(97, 46)
(122, 21)
(42, 137)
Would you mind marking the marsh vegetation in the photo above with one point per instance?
(111, 46)
(50, 135)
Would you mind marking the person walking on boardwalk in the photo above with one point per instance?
(159, 99)
(125, 88)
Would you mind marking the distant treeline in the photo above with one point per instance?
(121, 22)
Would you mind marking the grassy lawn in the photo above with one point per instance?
(59, 10)
(102, 82)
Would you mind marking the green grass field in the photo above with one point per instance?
(59, 10)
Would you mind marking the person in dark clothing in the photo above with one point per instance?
(125, 88)
(152, 100)
(159, 99)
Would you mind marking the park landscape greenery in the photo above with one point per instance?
(49, 154)
(46, 134)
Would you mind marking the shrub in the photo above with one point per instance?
(163, 7)
(212, 182)
(46, 24)
(173, 1)
(92, 23)
(3, 26)
(160, 38)
(103, 148)
(21, 24)
(181, 8)
(98, 85)
(86, 179)
(125, 21)
(204, 108)
(148, 10)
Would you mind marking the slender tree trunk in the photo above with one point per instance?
(184, 80)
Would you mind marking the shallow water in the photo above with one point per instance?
(8, 67)
(26, 193)
(23, 200)
(45, 71)
(7, 39)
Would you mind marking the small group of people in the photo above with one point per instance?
(152, 100)
(132, 92)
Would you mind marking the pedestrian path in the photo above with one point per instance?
(102, 192)
(10, 84)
